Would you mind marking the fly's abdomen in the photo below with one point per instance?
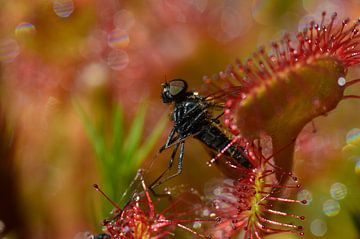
(216, 140)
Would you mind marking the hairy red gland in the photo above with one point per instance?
(250, 203)
(139, 220)
(279, 93)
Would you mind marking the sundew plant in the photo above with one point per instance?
(274, 94)
(179, 119)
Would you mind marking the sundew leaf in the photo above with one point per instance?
(283, 105)
(277, 92)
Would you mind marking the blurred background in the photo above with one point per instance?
(79, 104)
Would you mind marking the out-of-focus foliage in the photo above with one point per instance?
(115, 52)
(120, 153)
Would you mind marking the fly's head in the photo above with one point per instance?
(174, 91)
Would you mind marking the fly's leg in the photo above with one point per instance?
(195, 120)
(180, 165)
(172, 142)
(216, 119)
(173, 155)
(157, 181)
(170, 139)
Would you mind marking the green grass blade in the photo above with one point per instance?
(118, 134)
(94, 136)
(118, 159)
(134, 135)
(148, 145)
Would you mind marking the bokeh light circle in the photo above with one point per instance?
(357, 167)
(205, 212)
(24, 29)
(305, 195)
(353, 136)
(9, 50)
(63, 8)
(176, 43)
(94, 74)
(338, 191)
(341, 81)
(124, 20)
(261, 11)
(331, 208)
(197, 225)
(318, 227)
(118, 60)
(230, 21)
(118, 39)
(184, 11)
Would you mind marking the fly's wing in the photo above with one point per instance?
(216, 100)
(224, 85)
(222, 95)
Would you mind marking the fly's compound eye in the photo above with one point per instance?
(174, 90)
(176, 87)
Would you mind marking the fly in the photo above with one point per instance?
(192, 116)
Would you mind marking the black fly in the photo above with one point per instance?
(192, 116)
